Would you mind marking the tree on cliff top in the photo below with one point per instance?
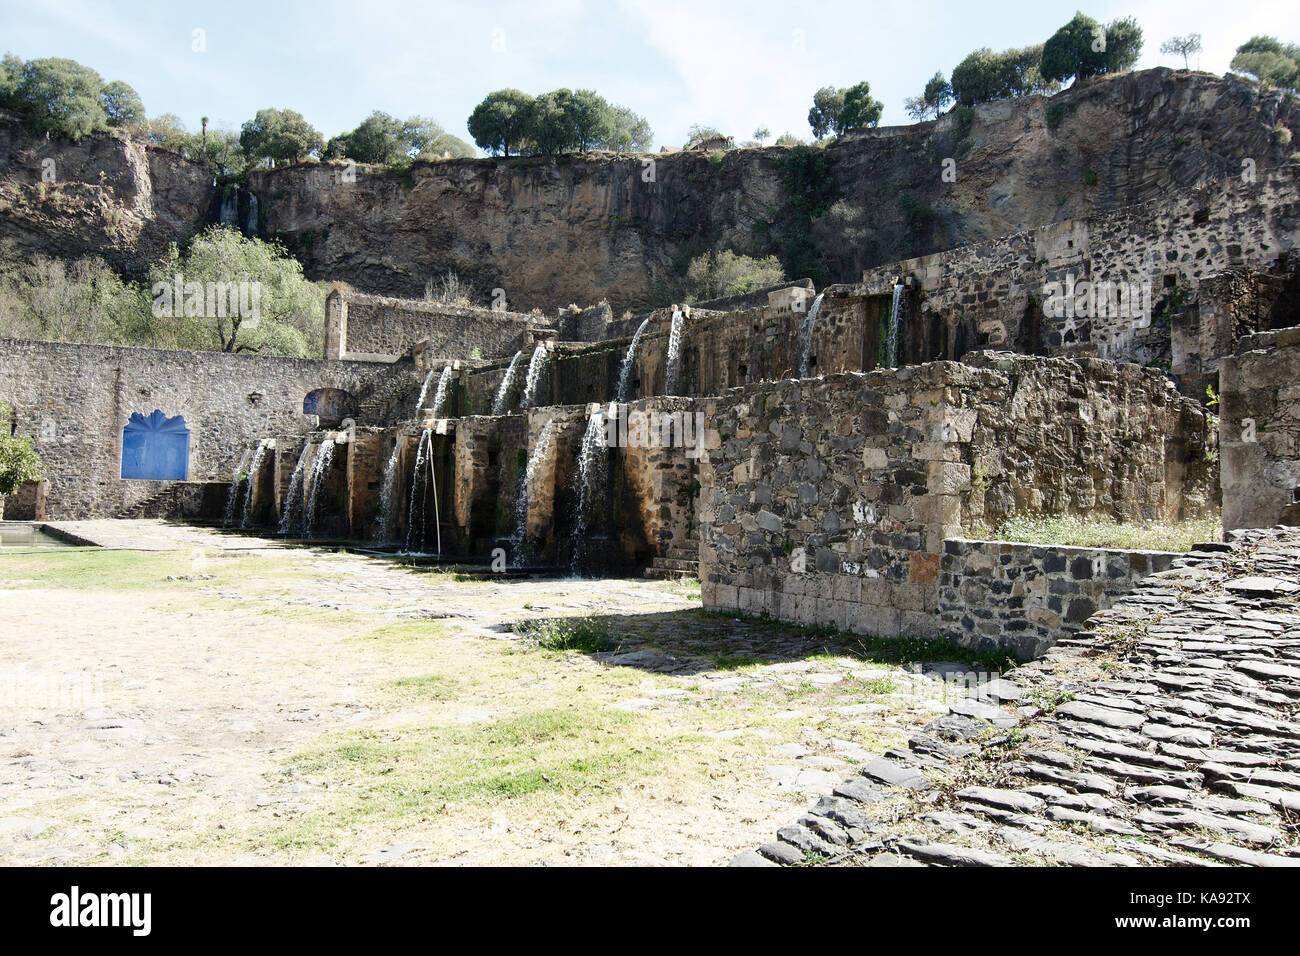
(932, 101)
(1084, 48)
(838, 111)
(386, 140)
(1270, 62)
(62, 97)
(122, 105)
(19, 462)
(279, 135)
(500, 122)
(985, 76)
(1182, 46)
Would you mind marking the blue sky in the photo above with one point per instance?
(733, 65)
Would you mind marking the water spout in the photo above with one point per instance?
(384, 522)
(536, 367)
(440, 396)
(673, 371)
(424, 391)
(593, 467)
(320, 467)
(629, 361)
(254, 470)
(896, 319)
(507, 385)
(232, 498)
(291, 513)
(526, 482)
(806, 328)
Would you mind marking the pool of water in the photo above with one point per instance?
(26, 537)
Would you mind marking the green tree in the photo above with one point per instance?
(61, 96)
(19, 462)
(1270, 62)
(629, 131)
(984, 76)
(824, 117)
(122, 105)
(712, 276)
(424, 137)
(1185, 47)
(761, 134)
(379, 139)
(279, 135)
(500, 123)
(290, 311)
(860, 111)
(1084, 48)
(167, 130)
(11, 72)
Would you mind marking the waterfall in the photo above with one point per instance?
(424, 391)
(250, 225)
(415, 533)
(896, 316)
(291, 515)
(228, 518)
(386, 492)
(629, 360)
(536, 366)
(593, 466)
(507, 385)
(673, 373)
(543, 448)
(806, 328)
(229, 205)
(253, 470)
(320, 466)
(440, 396)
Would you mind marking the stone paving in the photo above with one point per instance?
(1166, 732)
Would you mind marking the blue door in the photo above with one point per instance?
(156, 448)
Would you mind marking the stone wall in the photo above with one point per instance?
(828, 501)
(1259, 430)
(375, 327)
(1021, 597)
(73, 400)
(994, 293)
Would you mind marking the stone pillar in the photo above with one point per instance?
(336, 326)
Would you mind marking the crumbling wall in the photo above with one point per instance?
(1259, 430)
(1000, 289)
(367, 326)
(828, 501)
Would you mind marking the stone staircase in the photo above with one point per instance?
(679, 562)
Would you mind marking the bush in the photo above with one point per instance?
(713, 276)
(19, 462)
(587, 635)
(1084, 48)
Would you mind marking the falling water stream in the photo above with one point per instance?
(543, 448)
(384, 522)
(536, 366)
(415, 531)
(228, 518)
(507, 385)
(629, 360)
(291, 515)
(593, 466)
(895, 326)
(806, 328)
(440, 396)
(254, 470)
(320, 467)
(673, 372)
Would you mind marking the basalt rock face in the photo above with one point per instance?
(554, 231)
(106, 195)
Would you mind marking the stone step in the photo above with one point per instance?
(667, 574)
(676, 564)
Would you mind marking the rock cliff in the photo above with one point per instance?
(551, 231)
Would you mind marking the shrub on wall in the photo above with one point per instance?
(19, 462)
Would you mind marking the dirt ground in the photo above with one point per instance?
(210, 698)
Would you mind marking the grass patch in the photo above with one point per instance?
(1073, 531)
(432, 770)
(731, 662)
(587, 635)
(425, 687)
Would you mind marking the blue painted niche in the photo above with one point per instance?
(156, 448)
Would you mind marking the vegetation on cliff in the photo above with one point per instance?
(561, 121)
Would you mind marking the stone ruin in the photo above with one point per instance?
(833, 458)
